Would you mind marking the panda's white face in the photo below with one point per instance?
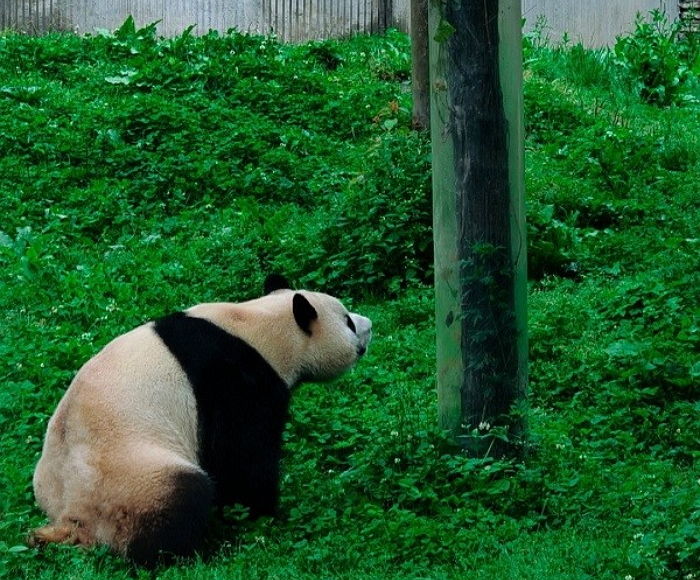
(335, 340)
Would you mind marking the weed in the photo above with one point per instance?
(659, 60)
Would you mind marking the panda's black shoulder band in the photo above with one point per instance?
(242, 406)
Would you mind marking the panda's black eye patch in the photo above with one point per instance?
(351, 324)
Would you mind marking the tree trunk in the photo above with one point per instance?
(480, 277)
(419, 65)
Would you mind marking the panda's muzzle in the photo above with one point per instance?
(363, 330)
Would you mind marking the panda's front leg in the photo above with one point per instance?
(254, 484)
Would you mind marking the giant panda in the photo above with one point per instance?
(186, 413)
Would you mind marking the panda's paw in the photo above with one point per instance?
(72, 533)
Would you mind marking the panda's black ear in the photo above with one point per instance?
(275, 282)
(304, 313)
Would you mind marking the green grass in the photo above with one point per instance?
(139, 176)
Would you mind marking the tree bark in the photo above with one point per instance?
(419, 65)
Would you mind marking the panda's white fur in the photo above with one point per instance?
(131, 454)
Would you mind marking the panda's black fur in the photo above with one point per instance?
(239, 429)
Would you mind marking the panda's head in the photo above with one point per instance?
(329, 338)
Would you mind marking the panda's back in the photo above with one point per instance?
(135, 389)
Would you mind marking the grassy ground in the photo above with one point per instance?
(139, 176)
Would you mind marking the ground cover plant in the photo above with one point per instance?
(141, 175)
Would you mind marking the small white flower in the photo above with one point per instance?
(394, 433)
(397, 460)
(484, 426)
(628, 577)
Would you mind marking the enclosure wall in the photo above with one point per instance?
(594, 22)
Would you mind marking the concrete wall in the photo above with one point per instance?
(593, 22)
(84, 16)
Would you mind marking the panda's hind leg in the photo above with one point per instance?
(151, 502)
(143, 501)
(175, 524)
